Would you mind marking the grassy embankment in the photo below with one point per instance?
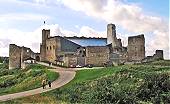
(17, 80)
(140, 84)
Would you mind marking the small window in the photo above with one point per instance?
(27, 50)
(53, 47)
(47, 48)
(50, 47)
(80, 51)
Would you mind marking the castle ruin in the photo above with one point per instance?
(18, 55)
(66, 51)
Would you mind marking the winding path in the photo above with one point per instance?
(65, 76)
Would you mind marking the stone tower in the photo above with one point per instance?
(136, 48)
(45, 36)
(14, 56)
(159, 55)
(111, 35)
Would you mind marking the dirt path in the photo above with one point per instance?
(65, 77)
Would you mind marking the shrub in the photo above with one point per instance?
(153, 88)
(8, 82)
(105, 90)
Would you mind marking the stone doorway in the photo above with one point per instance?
(37, 58)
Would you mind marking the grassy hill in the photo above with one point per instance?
(18, 80)
(128, 84)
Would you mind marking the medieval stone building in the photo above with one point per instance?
(73, 51)
(54, 47)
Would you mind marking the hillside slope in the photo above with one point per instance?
(123, 84)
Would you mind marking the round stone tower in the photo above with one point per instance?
(111, 35)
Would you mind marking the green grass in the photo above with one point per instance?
(121, 83)
(90, 74)
(17, 80)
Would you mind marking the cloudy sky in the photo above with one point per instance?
(21, 21)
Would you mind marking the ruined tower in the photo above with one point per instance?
(45, 36)
(14, 56)
(111, 35)
(136, 48)
(159, 55)
(17, 56)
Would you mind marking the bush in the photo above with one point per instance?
(153, 88)
(142, 84)
(101, 91)
(17, 80)
(8, 82)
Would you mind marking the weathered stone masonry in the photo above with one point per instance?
(62, 51)
(17, 56)
(136, 48)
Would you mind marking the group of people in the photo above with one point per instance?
(45, 82)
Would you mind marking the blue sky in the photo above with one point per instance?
(22, 20)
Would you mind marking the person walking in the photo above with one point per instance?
(49, 83)
(43, 83)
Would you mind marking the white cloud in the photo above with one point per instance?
(89, 32)
(131, 17)
(32, 39)
(40, 1)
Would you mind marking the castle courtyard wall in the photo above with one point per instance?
(97, 55)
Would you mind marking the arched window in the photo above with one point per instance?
(47, 48)
(50, 47)
(37, 58)
(27, 50)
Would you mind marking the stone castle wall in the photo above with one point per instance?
(52, 45)
(97, 55)
(157, 56)
(136, 48)
(17, 56)
(25, 54)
